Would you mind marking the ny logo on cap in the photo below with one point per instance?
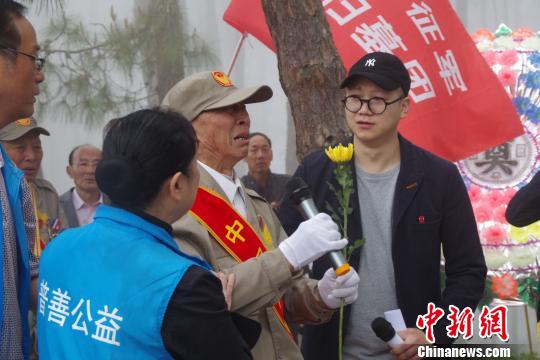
(370, 62)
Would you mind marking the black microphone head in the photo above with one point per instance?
(297, 190)
(383, 329)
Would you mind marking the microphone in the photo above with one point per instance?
(385, 331)
(300, 196)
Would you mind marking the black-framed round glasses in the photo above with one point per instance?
(38, 62)
(376, 105)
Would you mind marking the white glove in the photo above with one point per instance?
(333, 288)
(313, 238)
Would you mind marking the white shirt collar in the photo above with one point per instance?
(78, 202)
(229, 185)
(1, 160)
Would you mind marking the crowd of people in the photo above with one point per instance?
(161, 250)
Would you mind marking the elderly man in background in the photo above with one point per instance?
(23, 145)
(236, 230)
(80, 202)
(260, 178)
(20, 75)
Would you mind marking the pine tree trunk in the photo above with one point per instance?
(310, 71)
(163, 56)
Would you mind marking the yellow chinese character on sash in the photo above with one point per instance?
(233, 232)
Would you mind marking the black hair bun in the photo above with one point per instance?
(119, 179)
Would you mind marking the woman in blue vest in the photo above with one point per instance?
(120, 288)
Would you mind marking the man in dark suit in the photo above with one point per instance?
(524, 208)
(407, 205)
(260, 178)
(80, 202)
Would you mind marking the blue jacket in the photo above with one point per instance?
(116, 277)
(13, 178)
(428, 187)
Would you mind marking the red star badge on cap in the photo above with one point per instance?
(221, 78)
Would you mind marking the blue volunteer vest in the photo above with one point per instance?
(13, 179)
(104, 288)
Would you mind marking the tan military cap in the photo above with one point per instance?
(18, 128)
(210, 90)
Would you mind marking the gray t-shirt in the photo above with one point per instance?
(376, 290)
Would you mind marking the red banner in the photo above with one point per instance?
(458, 106)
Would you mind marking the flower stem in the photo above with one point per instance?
(345, 218)
(345, 207)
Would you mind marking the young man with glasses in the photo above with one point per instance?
(20, 75)
(407, 206)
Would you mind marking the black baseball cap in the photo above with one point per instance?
(384, 69)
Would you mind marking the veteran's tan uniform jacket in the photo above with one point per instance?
(261, 281)
(48, 208)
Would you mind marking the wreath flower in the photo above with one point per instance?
(505, 286)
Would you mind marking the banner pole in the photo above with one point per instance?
(236, 52)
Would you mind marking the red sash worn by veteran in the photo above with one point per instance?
(261, 281)
(239, 239)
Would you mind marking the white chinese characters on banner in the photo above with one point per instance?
(422, 17)
(380, 36)
(106, 327)
(421, 87)
(449, 72)
(351, 12)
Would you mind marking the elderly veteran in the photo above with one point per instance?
(236, 230)
(23, 146)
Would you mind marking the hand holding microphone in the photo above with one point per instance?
(385, 331)
(313, 238)
(300, 196)
(405, 345)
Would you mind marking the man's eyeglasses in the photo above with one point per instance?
(376, 105)
(38, 62)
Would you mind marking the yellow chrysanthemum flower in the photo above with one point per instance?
(340, 154)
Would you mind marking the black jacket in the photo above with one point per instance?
(428, 187)
(524, 208)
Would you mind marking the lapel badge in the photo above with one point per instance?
(411, 185)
